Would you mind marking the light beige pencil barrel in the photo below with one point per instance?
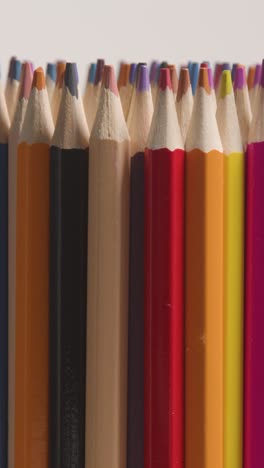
(108, 245)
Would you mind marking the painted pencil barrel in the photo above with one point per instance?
(68, 284)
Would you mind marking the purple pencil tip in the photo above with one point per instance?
(153, 71)
(226, 66)
(143, 79)
(262, 75)
(240, 78)
(132, 73)
(257, 76)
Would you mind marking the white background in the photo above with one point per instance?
(139, 30)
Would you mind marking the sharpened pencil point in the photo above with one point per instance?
(71, 79)
(205, 64)
(39, 79)
(210, 78)
(164, 79)
(51, 71)
(26, 81)
(250, 77)
(143, 78)
(226, 66)
(240, 77)
(257, 76)
(262, 75)
(15, 71)
(226, 83)
(132, 73)
(203, 81)
(153, 71)
(91, 74)
(184, 82)
(109, 80)
(99, 71)
(60, 72)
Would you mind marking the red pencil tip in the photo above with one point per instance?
(165, 79)
(39, 79)
(109, 80)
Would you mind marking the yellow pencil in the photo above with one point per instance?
(233, 272)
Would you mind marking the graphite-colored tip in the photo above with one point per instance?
(91, 73)
(233, 73)
(60, 72)
(226, 66)
(226, 83)
(132, 73)
(257, 76)
(184, 82)
(203, 81)
(51, 71)
(210, 78)
(39, 79)
(143, 79)
(250, 76)
(25, 81)
(71, 78)
(262, 75)
(109, 80)
(99, 71)
(153, 71)
(240, 77)
(174, 78)
(15, 71)
(11, 61)
(164, 79)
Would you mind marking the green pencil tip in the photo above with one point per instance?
(226, 83)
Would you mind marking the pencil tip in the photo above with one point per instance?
(174, 78)
(132, 73)
(71, 78)
(60, 72)
(51, 71)
(26, 81)
(99, 71)
(262, 75)
(109, 80)
(164, 79)
(15, 71)
(226, 66)
(226, 84)
(39, 79)
(250, 77)
(184, 82)
(203, 81)
(143, 79)
(257, 76)
(205, 64)
(240, 77)
(153, 71)
(233, 73)
(91, 73)
(210, 78)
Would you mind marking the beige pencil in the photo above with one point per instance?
(108, 245)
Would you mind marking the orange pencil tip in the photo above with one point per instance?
(184, 82)
(39, 79)
(203, 79)
(60, 74)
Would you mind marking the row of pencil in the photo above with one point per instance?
(131, 264)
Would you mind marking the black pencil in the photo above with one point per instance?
(68, 278)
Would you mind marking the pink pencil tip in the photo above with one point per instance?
(165, 79)
(109, 80)
(26, 81)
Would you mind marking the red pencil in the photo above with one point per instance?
(164, 221)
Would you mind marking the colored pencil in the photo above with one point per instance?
(4, 129)
(124, 90)
(51, 74)
(250, 83)
(130, 86)
(153, 79)
(89, 87)
(257, 78)
(233, 272)
(32, 281)
(184, 101)
(120, 78)
(204, 285)
(12, 85)
(68, 277)
(254, 304)
(174, 80)
(217, 74)
(242, 103)
(133, 95)
(194, 76)
(138, 130)
(108, 247)
(13, 139)
(56, 97)
(164, 228)
(233, 73)
(211, 84)
(91, 109)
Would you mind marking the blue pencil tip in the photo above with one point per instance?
(51, 71)
(91, 74)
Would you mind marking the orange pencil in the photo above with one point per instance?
(204, 285)
(124, 90)
(32, 281)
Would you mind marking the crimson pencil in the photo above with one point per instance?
(163, 347)
(254, 305)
